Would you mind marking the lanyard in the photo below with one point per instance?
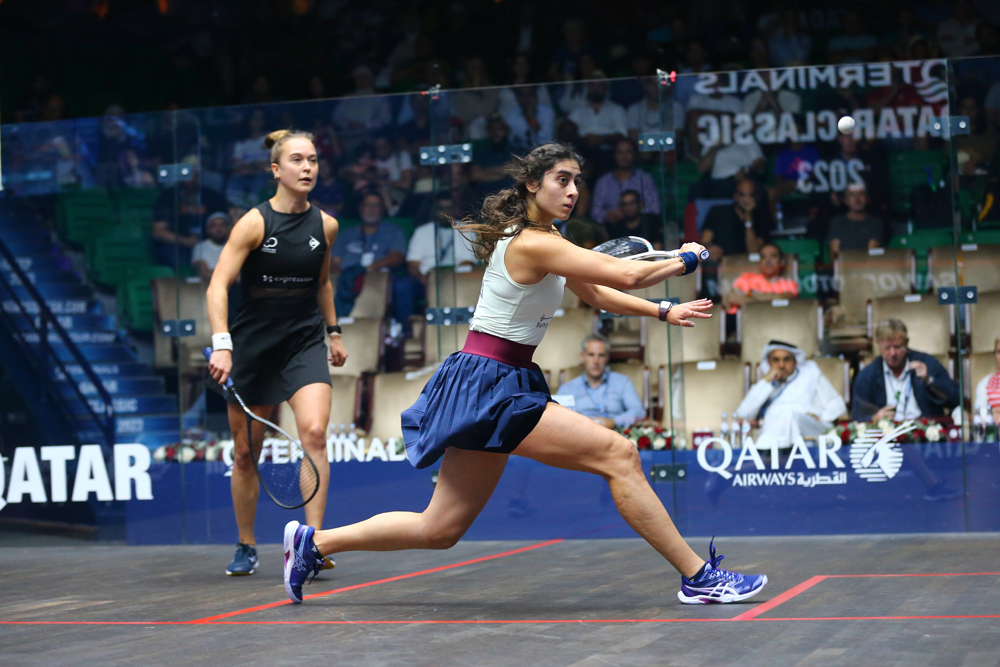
(775, 394)
(444, 249)
(364, 239)
(601, 407)
(901, 406)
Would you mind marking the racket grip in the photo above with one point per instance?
(208, 355)
(673, 254)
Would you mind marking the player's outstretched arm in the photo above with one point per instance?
(621, 303)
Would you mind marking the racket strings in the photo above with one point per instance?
(286, 471)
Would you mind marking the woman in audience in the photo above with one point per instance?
(988, 391)
(489, 400)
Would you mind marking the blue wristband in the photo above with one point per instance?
(690, 260)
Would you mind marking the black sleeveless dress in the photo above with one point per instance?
(278, 342)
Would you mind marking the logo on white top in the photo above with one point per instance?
(313, 243)
(876, 456)
(270, 246)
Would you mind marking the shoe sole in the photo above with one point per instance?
(289, 544)
(328, 563)
(230, 573)
(725, 599)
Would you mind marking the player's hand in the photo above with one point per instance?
(682, 314)
(888, 412)
(696, 248)
(338, 355)
(220, 365)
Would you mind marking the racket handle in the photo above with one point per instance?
(673, 254)
(208, 355)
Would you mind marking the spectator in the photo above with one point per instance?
(644, 115)
(730, 163)
(987, 402)
(789, 45)
(854, 45)
(251, 164)
(871, 165)
(976, 150)
(601, 394)
(133, 175)
(374, 245)
(328, 194)
(565, 58)
(601, 122)
(206, 254)
(901, 40)
(395, 171)
(116, 137)
(767, 283)
(487, 172)
(479, 102)
(435, 244)
(736, 229)
(626, 176)
(530, 121)
(957, 35)
(631, 221)
(178, 217)
(694, 62)
(793, 398)
(857, 229)
(792, 164)
(363, 110)
(901, 383)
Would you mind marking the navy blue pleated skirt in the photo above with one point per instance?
(474, 402)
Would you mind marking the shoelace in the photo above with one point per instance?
(714, 561)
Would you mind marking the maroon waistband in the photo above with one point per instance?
(499, 349)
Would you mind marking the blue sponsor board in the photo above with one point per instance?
(534, 501)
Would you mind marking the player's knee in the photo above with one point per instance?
(242, 460)
(313, 433)
(442, 536)
(622, 456)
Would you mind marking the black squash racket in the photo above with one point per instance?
(284, 468)
(635, 247)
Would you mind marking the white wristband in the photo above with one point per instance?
(222, 341)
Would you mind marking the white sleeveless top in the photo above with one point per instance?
(506, 309)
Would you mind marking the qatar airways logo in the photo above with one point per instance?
(876, 456)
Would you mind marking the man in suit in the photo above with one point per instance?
(902, 383)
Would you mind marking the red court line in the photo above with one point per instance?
(882, 618)
(934, 574)
(751, 614)
(209, 619)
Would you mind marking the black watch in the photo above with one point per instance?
(333, 328)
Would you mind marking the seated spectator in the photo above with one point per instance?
(600, 122)
(531, 121)
(374, 245)
(625, 176)
(631, 221)
(644, 115)
(479, 102)
(793, 163)
(976, 150)
(957, 35)
(789, 44)
(250, 163)
(327, 194)
(489, 159)
(738, 229)
(854, 45)
(606, 397)
(133, 174)
(987, 401)
(727, 164)
(206, 254)
(873, 170)
(178, 217)
(394, 170)
(793, 397)
(363, 111)
(766, 284)
(857, 229)
(434, 244)
(565, 58)
(902, 383)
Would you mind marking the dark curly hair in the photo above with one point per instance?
(505, 213)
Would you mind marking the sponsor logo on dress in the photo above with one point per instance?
(270, 246)
(313, 243)
(876, 456)
(543, 322)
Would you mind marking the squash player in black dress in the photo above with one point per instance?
(275, 350)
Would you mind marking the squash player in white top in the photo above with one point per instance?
(489, 400)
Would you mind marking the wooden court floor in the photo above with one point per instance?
(857, 601)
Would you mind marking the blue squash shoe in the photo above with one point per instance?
(713, 585)
(300, 561)
(244, 561)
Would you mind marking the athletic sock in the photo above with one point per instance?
(315, 550)
(699, 573)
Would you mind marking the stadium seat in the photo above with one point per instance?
(393, 393)
(981, 364)
(561, 346)
(343, 406)
(80, 215)
(795, 321)
(115, 252)
(363, 340)
(135, 297)
(179, 299)
(930, 326)
(985, 317)
(710, 388)
(860, 275)
(908, 169)
(374, 297)
(444, 340)
(136, 206)
(837, 370)
(980, 267)
(450, 288)
(698, 343)
(732, 267)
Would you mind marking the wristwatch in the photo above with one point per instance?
(665, 307)
(333, 329)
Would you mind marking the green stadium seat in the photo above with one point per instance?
(135, 296)
(908, 169)
(82, 214)
(136, 206)
(920, 242)
(112, 255)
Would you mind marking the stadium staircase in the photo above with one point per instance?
(90, 362)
